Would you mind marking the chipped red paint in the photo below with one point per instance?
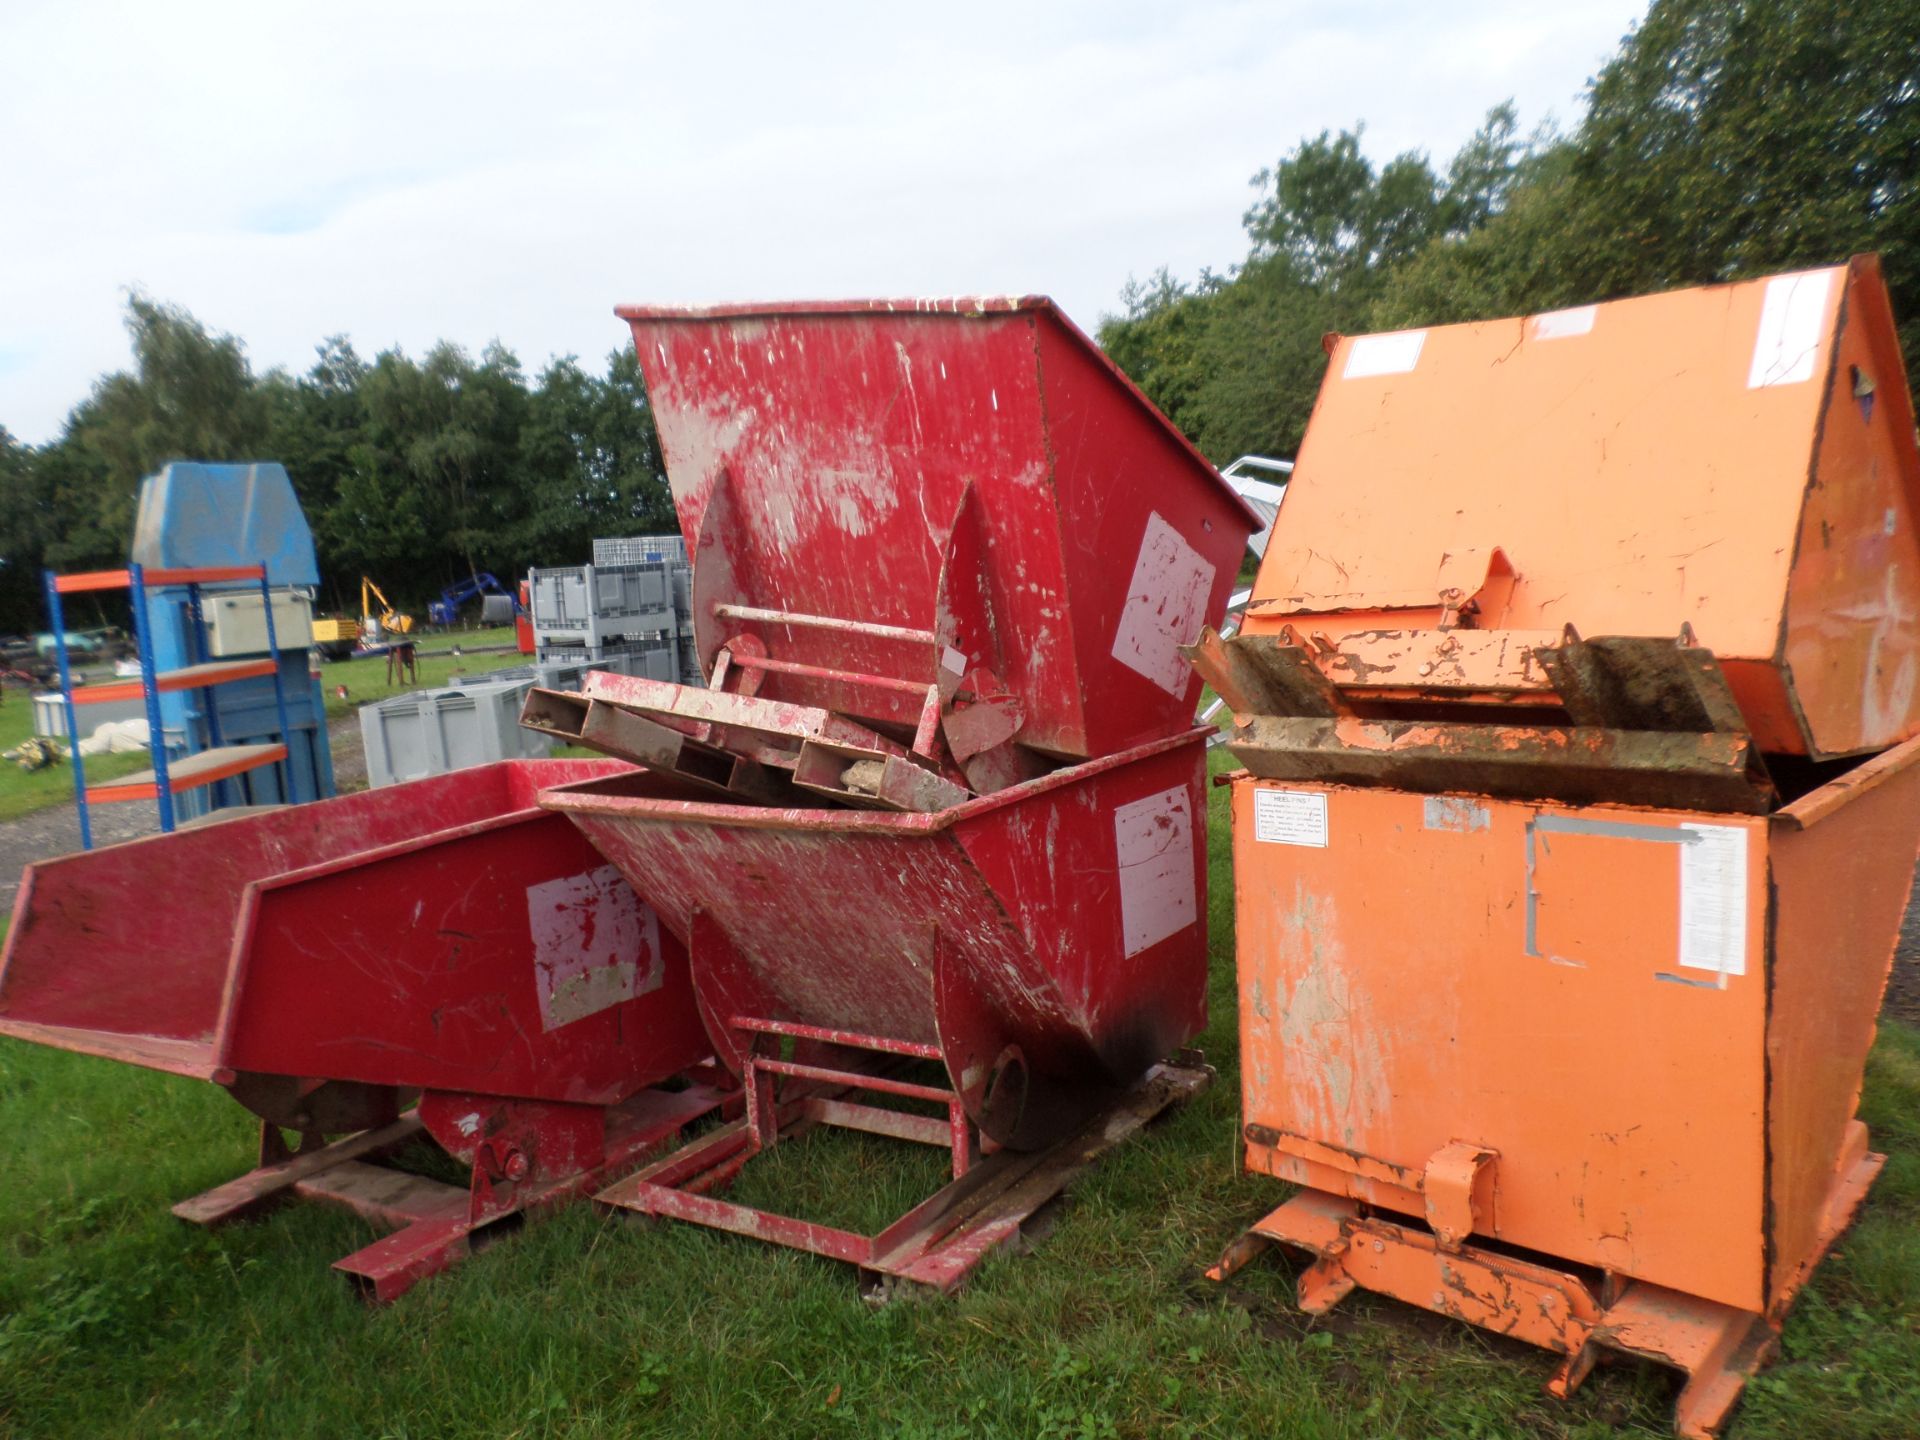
(996, 930)
(918, 492)
(445, 935)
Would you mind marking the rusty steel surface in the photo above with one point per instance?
(937, 1244)
(963, 495)
(1581, 808)
(1048, 941)
(1738, 459)
(1739, 959)
(1717, 1347)
(944, 560)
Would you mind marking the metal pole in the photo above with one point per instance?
(280, 699)
(66, 696)
(156, 737)
(824, 622)
(199, 652)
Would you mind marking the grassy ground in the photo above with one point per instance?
(367, 679)
(21, 791)
(119, 1320)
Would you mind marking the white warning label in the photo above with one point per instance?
(1393, 354)
(1154, 840)
(1290, 817)
(1792, 324)
(594, 945)
(1713, 899)
(1166, 608)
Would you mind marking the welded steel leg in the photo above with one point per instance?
(1322, 1285)
(434, 1224)
(940, 1242)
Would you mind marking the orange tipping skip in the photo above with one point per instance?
(1578, 703)
(1737, 459)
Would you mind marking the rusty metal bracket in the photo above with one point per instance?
(434, 1224)
(1633, 682)
(1573, 765)
(1458, 1188)
(1261, 675)
(937, 1244)
(1717, 1347)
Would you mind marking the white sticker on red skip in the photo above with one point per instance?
(1166, 608)
(594, 945)
(1290, 817)
(1154, 840)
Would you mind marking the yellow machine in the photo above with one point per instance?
(388, 622)
(335, 636)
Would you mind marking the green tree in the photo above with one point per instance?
(1734, 137)
(623, 456)
(190, 395)
(1235, 360)
(24, 522)
(1326, 209)
(1727, 138)
(436, 483)
(592, 459)
(1157, 341)
(315, 426)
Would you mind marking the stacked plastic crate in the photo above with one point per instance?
(672, 549)
(619, 615)
(627, 612)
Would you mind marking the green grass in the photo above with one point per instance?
(118, 1320)
(23, 791)
(366, 680)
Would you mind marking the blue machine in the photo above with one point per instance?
(446, 609)
(194, 516)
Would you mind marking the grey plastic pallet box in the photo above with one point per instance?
(432, 732)
(626, 550)
(596, 605)
(50, 714)
(652, 659)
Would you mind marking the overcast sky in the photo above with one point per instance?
(405, 172)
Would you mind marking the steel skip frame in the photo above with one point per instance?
(939, 493)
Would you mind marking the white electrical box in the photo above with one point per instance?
(236, 624)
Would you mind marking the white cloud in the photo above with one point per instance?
(404, 173)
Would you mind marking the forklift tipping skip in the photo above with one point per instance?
(324, 963)
(1577, 699)
(939, 806)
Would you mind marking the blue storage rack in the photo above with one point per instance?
(194, 514)
(214, 762)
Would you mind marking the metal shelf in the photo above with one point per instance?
(203, 767)
(208, 766)
(188, 677)
(138, 576)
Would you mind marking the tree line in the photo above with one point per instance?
(1724, 138)
(415, 472)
